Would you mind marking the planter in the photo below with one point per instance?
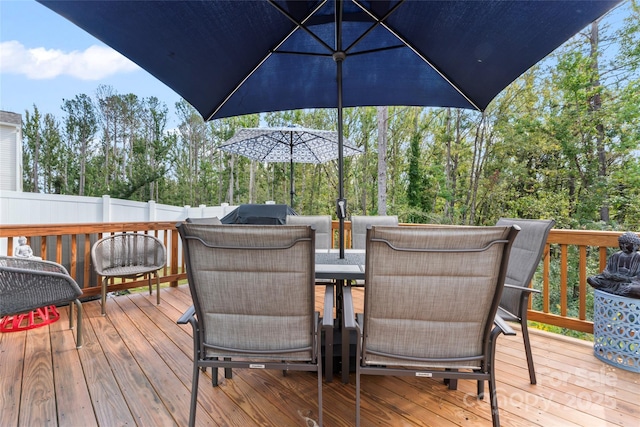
(616, 329)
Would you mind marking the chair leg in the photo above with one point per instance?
(358, 362)
(228, 374)
(527, 350)
(78, 322)
(319, 360)
(214, 375)
(104, 295)
(194, 394)
(157, 287)
(70, 314)
(495, 418)
(451, 382)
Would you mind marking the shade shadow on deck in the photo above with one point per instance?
(135, 369)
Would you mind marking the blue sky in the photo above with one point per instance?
(44, 59)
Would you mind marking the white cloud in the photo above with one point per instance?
(94, 63)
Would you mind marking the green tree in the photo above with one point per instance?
(81, 125)
(32, 134)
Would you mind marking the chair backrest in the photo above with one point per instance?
(126, 250)
(526, 253)
(322, 224)
(432, 293)
(214, 220)
(253, 288)
(359, 224)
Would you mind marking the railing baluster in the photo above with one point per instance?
(545, 280)
(585, 241)
(563, 279)
(582, 285)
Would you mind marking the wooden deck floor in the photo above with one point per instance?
(135, 369)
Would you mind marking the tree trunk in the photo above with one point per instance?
(252, 182)
(231, 178)
(596, 106)
(479, 147)
(36, 160)
(448, 167)
(83, 163)
(383, 120)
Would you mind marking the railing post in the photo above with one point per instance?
(151, 206)
(175, 255)
(106, 208)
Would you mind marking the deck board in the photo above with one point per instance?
(109, 404)
(135, 369)
(37, 389)
(73, 401)
(12, 347)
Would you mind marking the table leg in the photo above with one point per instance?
(339, 302)
(328, 355)
(345, 335)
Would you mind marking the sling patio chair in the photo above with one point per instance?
(359, 224)
(526, 253)
(128, 255)
(28, 284)
(430, 304)
(253, 291)
(322, 224)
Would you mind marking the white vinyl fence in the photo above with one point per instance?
(18, 208)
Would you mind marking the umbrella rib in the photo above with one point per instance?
(298, 25)
(301, 25)
(377, 22)
(365, 52)
(291, 52)
(420, 55)
(276, 141)
(313, 153)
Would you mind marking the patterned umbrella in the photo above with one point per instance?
(287, 144)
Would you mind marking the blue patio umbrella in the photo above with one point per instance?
(229, 58)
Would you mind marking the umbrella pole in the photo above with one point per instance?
(292, 189)
(338, 57)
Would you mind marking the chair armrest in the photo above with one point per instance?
(503, 326)
(522, 288)
(349, 317)
(327, 317)
(359, 320)
(187, 316)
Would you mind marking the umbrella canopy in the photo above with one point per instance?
(287, 144)
(230, 58)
